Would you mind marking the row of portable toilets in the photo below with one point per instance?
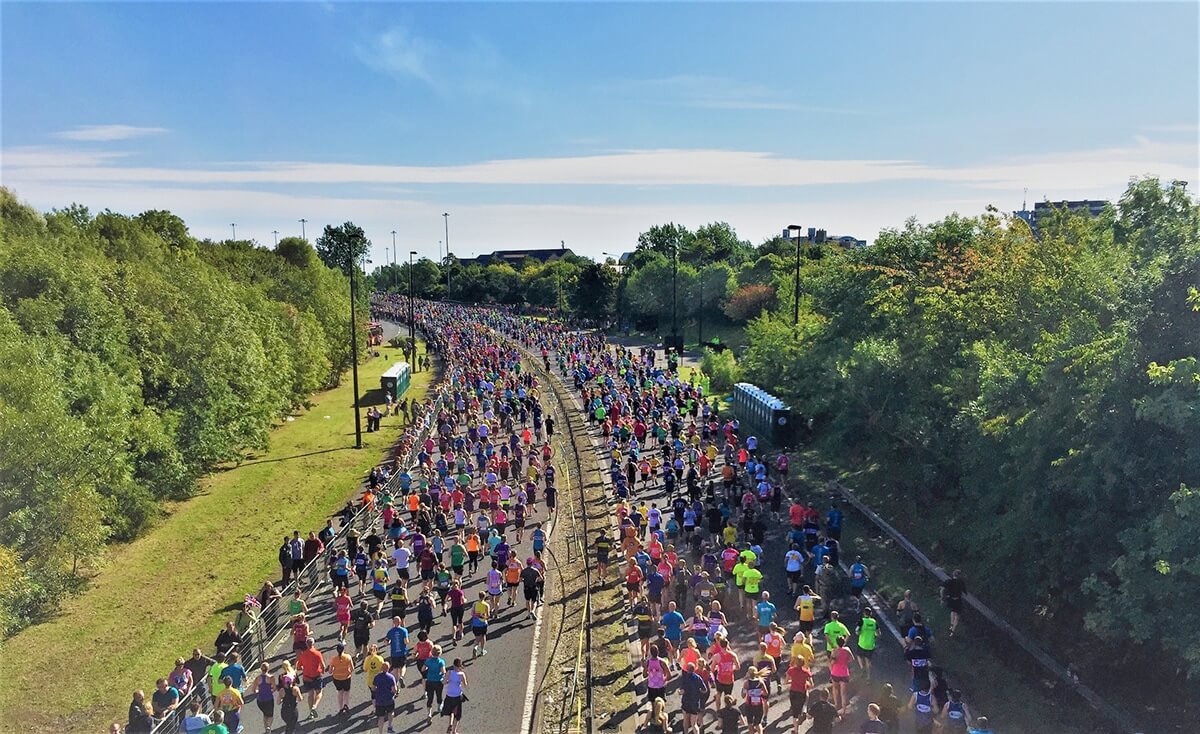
(762, 414)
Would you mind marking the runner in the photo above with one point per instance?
(341, 669)
(456, 694)
(264, 695)
(868, 632)
(386, 687)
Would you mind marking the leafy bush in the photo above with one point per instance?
(722, 369)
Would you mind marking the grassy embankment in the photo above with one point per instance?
(173, 588)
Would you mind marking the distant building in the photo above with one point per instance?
(1092, 207)
(814, 236)
(516, 257)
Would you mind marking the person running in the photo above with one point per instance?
(657, 721)
(386, 686)
(512, 578)
(800, 681)
(341, 670)
(435, 680)
(729, 716)
(868, 635)
(290, 695)
(874, 724)
(531, 577)
(311, 664)
(694, 691)
(229, 702)
(839, 674)
(806, 608)
(397, 639)
(952, 592)
(834, 631)
(372, 665)
(264, 695)
(480, 614)
(658, 673)
(456, 694)
(757, 697)
(955, 716)
(922, 705)
(341, 604)
(823, 714)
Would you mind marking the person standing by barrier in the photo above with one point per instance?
(285, 561)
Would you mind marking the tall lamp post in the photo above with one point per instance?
(354, 352)
(675, 295)
(302, 235)
(412, 319)
(276, 233)
(393, 247)
(234, 226)
(446, 220)
(796, 284)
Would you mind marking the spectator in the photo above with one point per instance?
(227, 638)
(140, 720)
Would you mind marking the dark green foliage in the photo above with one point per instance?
(1034, 400)
(136, 359)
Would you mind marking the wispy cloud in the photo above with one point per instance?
(106, 133)
(398, 52)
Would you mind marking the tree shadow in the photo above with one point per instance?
(284, 458)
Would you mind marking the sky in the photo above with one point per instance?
(535, 124)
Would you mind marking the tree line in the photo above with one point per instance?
(137, 358)
(1028, 403)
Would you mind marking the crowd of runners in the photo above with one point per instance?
(696, 513)
(701, 516)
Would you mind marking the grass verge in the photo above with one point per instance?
(174, 587)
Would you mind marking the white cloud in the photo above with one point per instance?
(397, 52)
(106, 133)
(1067, 171)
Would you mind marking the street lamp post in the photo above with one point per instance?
(700, 314)
(412, 318)
(276, 233)
(234, 226)
(302, 235)
(354, 352)
(617, 305)
(674, 294)
(446, 220)
(393, 247)
(796, 285)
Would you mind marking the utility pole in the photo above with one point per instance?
(302, 235)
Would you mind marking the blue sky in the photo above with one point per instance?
(589, 122)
